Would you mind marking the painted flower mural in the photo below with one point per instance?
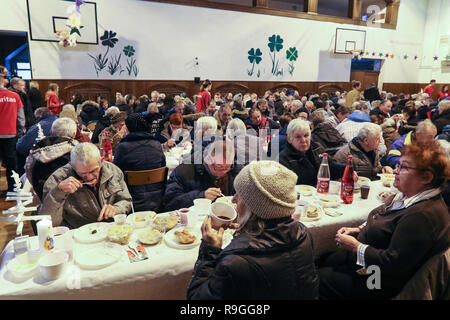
(254, 57)
(112, 63)
(292, 55)
(275, 45)
(131, 63)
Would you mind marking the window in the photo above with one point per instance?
(289, 5)
(358, 12)
(335, 8)
(246, 3)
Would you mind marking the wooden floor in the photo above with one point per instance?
(8, 229)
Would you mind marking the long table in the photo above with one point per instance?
(167, 272)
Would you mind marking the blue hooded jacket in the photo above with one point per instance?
(359, 116)
(26, 142)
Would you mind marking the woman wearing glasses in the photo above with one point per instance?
(398, 237)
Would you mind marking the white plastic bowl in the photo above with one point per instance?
(23, 266)
(53, 265)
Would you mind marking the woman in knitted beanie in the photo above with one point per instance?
(270, 256)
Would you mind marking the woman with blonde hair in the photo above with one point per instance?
(53, 102)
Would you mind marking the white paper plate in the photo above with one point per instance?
(150, 215)
(334, 202)
(305, 190)
(84, 233)
(99, 257)
(304, 218)
(171, 241)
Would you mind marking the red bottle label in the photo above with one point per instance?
(323, 186)
(347, 193)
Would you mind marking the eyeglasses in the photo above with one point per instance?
(399, 167)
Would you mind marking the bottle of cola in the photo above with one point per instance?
(348, 182)
(323, 176)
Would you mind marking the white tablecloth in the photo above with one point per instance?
(323, 231)
(167, 272)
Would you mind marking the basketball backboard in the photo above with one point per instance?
(47, 16)
(349, 40)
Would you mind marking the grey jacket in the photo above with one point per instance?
(83, 206)
(361, 163)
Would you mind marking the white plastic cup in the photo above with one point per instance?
(222, 214)
(53, 265)
(335, 187)
(188, 217)
(64, 243)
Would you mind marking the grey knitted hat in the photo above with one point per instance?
(267, 189)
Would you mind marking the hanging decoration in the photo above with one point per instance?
(68, 36)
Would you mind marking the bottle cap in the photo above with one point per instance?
(325, 155)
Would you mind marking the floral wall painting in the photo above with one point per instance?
(254, 57)
(110, 61)
(291, 55)
(275, 46)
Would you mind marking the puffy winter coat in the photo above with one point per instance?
(277, 264)
(306, 165)
(27, 141)
(140, 151)
(362, 164)
(189, 182)
(327, 136)
(90, 112)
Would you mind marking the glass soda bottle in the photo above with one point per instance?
(348, 182)
(323, 176)
(106, 150)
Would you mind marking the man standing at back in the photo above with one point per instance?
(354, 95)
(12, 123)
(429, 89)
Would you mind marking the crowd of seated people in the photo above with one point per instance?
(233, 136)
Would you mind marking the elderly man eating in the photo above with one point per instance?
(85, 190)
(208, 179)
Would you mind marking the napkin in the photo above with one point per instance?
(142, 254)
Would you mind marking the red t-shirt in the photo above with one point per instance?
(442, 94)
(202, 101)
(54, 104)
(429, 89)
(9, 104)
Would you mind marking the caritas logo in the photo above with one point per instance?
(7, 99)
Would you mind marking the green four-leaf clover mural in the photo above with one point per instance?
(110, 62)
(275, 45)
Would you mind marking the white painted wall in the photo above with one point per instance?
(436, 42)
(168, 37)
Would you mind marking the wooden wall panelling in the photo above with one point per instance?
(90, 88)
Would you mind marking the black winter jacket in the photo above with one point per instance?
(328, 137)
(140, 151)
(189, 182)
(90, 113)
(101, 125)
(306, 165)
(278, 264)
